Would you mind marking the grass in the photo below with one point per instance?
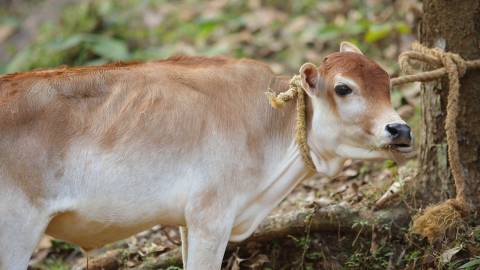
(54, 264)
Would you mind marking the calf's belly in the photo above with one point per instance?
(104, 214)
(90, 234)
(107, 197)
(94, 223)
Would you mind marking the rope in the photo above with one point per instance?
(455, 67)
(295, 90)
(445, 63)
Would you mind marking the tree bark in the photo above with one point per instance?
(454, 26)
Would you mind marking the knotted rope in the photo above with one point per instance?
(295, 90)
(444, 63)
(454, 66)
(437, 219)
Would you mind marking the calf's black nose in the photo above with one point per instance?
(399, 133)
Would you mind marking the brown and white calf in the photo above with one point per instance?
(93, 155)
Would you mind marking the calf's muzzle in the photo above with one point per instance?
(400, 134)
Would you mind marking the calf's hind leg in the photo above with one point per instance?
(21, 227)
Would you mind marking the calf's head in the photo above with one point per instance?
(352, 113)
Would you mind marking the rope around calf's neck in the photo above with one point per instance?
(445, 63)
(295, 90)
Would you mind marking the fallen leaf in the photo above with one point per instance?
(448, 254)
(257, 261)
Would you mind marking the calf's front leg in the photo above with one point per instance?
(209, 230)
(21, 227)
(206, 247)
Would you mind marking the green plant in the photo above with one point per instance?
(59, 246)
(476, 234)
(355, 261)
(54, 264)
(363, 259)
(413, 256)
(174, 268)
(95, 32)
(472, 264)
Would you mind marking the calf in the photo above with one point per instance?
(93, 155)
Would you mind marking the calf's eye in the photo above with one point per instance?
(342, 90)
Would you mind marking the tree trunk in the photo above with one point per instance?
(454, 26)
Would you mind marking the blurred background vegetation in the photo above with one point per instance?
(48, 33)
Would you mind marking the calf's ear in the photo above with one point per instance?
(310, 78)
(349, 47)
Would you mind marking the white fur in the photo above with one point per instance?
(104, 188)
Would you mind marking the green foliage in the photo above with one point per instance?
(288, 33)
(301, 242)
(389, 164)
(476, 234)
(314, 255)
(54, 264)
(174, 268)
(355, 261)
(472, 264)
(378, 32)
(360, 224)
(372, 261)
(81, 38)
(413, 256)
(59, 246)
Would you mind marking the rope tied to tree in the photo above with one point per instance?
(455, 67)
(277, 101)
(443, 63)
(437, 219)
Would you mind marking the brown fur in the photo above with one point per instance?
(131, 104)
(196, 61)
(372, 79)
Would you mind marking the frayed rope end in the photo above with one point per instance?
(275, 102)
(437, 220)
